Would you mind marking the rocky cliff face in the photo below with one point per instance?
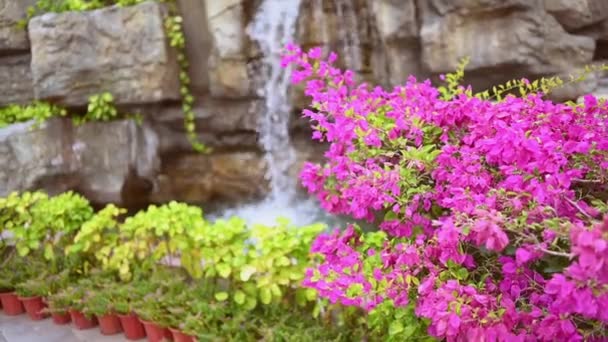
(65, 58)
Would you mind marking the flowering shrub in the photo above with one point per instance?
(490, 211)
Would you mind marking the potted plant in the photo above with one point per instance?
(11, 274)
(100, 304)
(125, 295)
(31, 294)
(153, 315)
(74, 296)
(58, 306)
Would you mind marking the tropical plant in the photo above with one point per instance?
(489, 225)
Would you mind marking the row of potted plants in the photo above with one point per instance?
(164, 273)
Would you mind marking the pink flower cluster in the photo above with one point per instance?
(489, 208)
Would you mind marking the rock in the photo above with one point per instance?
(222, 176)
(12, 37)
(531, 41)
(396, 19)
(577, 14)
(106, 155)
(15, 80)
(97, 159)
(121, 50)
(219, 123)
(227, 23)
(35, 158)
(232, 78)
(398, 30)
(198, 43)
(466, 7)
(233, 72)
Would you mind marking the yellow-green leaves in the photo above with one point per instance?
(247, 272)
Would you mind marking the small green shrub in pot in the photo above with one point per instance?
(12, 273)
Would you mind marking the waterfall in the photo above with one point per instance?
(272, 28)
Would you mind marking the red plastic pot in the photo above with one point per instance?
(179, 336)
(132, 327)
(11, 305)
(61, 318)
(33, 307)
(109, 324)
(155, 332)
(81, 321)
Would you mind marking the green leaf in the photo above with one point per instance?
(48, 252)
(265, 295)
(239, 297)
(224, 270)
(395, 328)
(221, 296)
(247, 272)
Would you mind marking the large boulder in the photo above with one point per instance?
(231, 71)
(105, 161)
(15, 80)
(397, 25)
(115, 161)
(575, 14)
(219, 123)
(35, 158)
(122, 50)
(13, 37)
(531, 42)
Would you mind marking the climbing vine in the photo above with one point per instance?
(101, 106)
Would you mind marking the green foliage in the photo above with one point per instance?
(400, 323)
(175, 34)
(99, 235)
(101, 108)
(13, 272)
(16, 217)
(161, 233)
(55, 222)
(37, 111)
(453, 80)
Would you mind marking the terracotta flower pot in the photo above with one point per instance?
(109, 324)
(81, 321)
(179, 336)
(11, 305)
(33, 307)
(132, 327)
(155, 332)
(61, 318)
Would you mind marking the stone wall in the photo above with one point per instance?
(65, 58)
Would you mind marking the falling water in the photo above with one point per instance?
(272, 28)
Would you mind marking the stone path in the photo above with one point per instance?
(22, 329)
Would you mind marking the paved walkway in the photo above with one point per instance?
(22, 329)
